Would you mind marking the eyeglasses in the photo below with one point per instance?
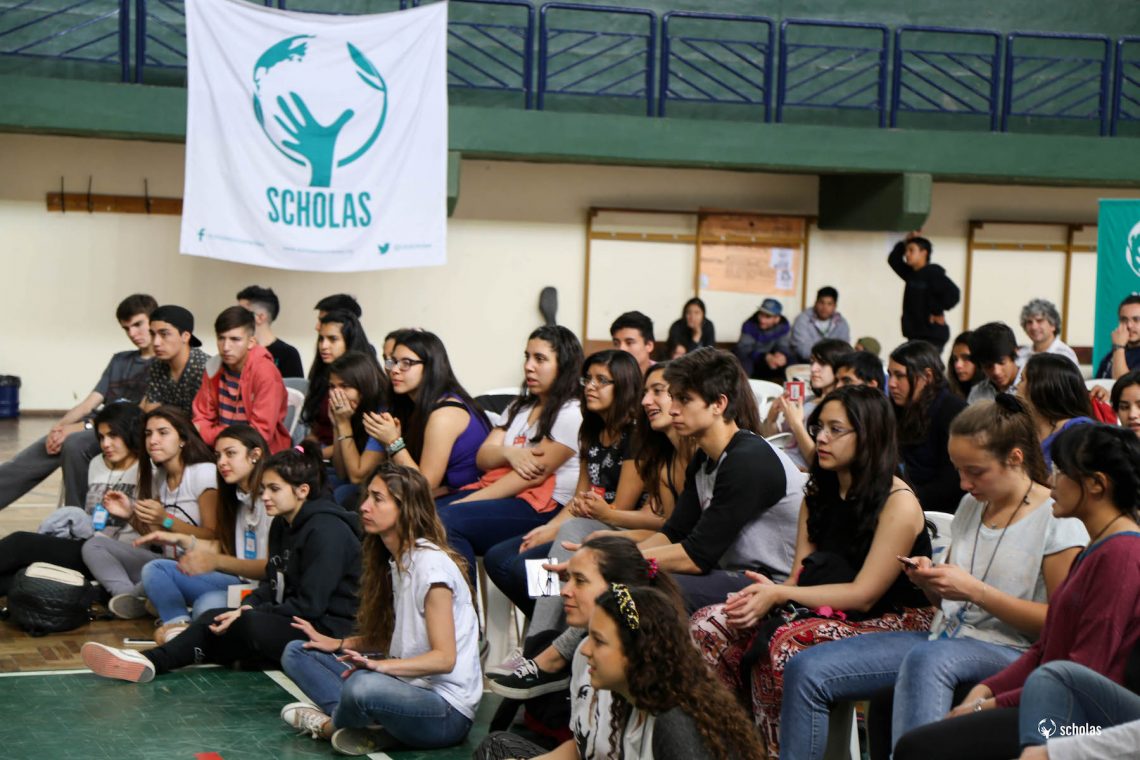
(602, 382)
(403, 364)
(833, 432)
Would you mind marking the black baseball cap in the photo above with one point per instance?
(179, 317)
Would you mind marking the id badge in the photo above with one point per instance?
(99, 518)
(250, 543)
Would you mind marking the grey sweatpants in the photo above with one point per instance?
(24, 471)
(116, 564)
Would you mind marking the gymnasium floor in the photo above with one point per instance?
(53, 708)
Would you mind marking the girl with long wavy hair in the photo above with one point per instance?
(357, 387)
(200, 577)
(857, 518)
(432, 423)
(531, 463)
(338, 332)
(410, 675)
(177, 492)
(1052, 388)
(924, 408)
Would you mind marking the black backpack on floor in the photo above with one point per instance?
(46, 598)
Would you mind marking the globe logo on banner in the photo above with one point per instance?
(1047, 730)
(310, 123)
(1132, 249)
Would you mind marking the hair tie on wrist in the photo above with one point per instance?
(651, 570)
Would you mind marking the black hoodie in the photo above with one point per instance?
(929, 292)
(313, 570)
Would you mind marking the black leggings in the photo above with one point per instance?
(986, 735)
(22, 548)
(254, 635)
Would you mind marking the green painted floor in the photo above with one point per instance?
(176, 716)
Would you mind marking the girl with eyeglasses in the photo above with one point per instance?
(178, 492)
(338, 333)
(1007, 556)
(1094, 613)
(356, 388)
(432, 423)
(857, 518)
(531, 462)
(201, 576)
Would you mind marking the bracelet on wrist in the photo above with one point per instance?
(979, 703)
(340, 438)
(396, 446)
(1118, 347)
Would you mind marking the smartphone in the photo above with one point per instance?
(794, 390)
(540, 581)
(907, 561)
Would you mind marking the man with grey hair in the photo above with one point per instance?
(1042, 323)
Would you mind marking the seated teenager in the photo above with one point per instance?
(824, 356)
(765, 342)
(993, 348)
(860, 368)
(737, 511)
(1125, 354)
(72, 442)
(821, 322)
(265, 305)
(416, 608)
(357, 387)
(692, 331)
(1055, 393)
(924, 409)
(338, 333)
(312, 574)
(632, 332)
(608, 480)
(177, 493)
(1125, 400)
(1007, 556)
(198, 580)
(662, 459)
(175, 375)
(857, 518)
(962, 374)
(59, 539)
(241, 385)
(432, 423)
(1104, 714)
(531, 462)
(1042, 323)
(591, 570)
(1094, 614)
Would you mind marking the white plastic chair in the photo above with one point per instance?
(1100, 383)
(940, 544)
(296, 400)
(799, 372)
(765, 392)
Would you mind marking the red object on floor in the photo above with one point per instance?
(207, 756)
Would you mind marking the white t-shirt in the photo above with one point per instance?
(423, 567)
(100, 480)
(1016, 568)
(1056, 347)
(590, 719)
(564, 431)
(182, 502)
(252, 523)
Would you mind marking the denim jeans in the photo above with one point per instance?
(474, 527)
(924, 674)
(1065, 693)
(416, 717)
(172, 591)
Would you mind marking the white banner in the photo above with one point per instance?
(316, 142)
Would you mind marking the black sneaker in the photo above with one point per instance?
(528, 681)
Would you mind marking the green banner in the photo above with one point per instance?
(1117, 267)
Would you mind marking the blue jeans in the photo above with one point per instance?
(924, 674)
(1070, 694)
(172, 591)
(474, 527)
(416, 717)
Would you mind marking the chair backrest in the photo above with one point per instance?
(299, 383)
(941, 542)
(296, 399)
(765, 392)
(1099, 383)
(799, 372)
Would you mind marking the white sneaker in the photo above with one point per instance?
(362, 741)
(123, 664)
(508, 666)
(305, 717)
(127, 606)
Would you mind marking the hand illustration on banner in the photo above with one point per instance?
(312, 140)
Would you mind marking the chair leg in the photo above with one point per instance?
(505, 714)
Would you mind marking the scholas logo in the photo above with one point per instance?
(1047, 727)
(1132, 249)
(322, 106)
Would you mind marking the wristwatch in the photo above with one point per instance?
(88, 425)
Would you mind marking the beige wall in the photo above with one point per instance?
(518, 227)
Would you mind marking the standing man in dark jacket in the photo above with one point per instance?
(929, 292)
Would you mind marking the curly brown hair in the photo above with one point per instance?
(375, 618)
(664, 670)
